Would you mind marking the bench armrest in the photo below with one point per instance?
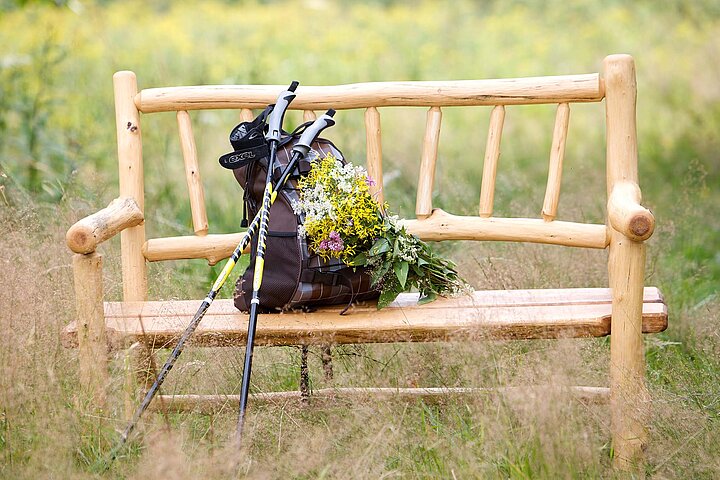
(626, 214)
(86, 234)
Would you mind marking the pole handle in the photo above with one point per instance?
(310, 134)
(278, 112)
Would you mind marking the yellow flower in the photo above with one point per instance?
(341, 192)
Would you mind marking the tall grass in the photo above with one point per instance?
(58, 163)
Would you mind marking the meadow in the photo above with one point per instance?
(58, 163)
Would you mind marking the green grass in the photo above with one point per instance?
(58, 163)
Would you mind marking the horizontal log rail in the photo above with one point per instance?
(88, 233)
(626, 214)
(214, 248)
(217, 403)
(513, 91)
(437, 227)
(444, 226)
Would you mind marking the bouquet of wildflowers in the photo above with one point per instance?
(342, 220)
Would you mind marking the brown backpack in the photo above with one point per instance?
(293, 277)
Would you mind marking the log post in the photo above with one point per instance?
(92, 338)
(626, 265)
(134, 269)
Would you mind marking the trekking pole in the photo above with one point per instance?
(192, 326)
(301, 148)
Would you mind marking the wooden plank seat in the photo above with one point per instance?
(625, 310)
(500, 314)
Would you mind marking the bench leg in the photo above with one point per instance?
(629, 398)
(304, 374)
(92, 338)
(327, 362)
(138, 370)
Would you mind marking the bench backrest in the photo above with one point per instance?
(616, 84)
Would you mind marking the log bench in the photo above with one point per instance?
(625, 310)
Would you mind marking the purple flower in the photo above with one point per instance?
(369, 181)
(336, 246)
(334, 243)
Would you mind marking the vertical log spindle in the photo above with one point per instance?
(192, 174)
(557, 153)
(309, 116)
(246, 115)
(423, 204)
(373, 141)
(492, 154)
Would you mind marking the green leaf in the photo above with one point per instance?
(359, 260)
(401, 271)
(386, 298)
(430, 297)
(381, 246)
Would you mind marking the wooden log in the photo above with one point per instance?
(309, 116)
(217, 403)
(476, 299)
(423, 204)
(492, 154)
(439, 226)
(129, 384)
(91, 336)
(127, 120)
(88, 233)
(557, 153)
(444, 226)
(214, 247)
(626, 265)
(511, 91)
(524, 314)
(304, 373)
(373, 140)
(327, 361)
(626, 215)
(192, 174)
(246, 115)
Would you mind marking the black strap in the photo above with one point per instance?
(315, 276)
(246, 131)
(248, 141)
(253, 150)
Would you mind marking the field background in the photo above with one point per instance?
(58, 164)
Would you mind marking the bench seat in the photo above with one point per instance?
(497, 314)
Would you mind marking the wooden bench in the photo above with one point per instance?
(624, 311)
